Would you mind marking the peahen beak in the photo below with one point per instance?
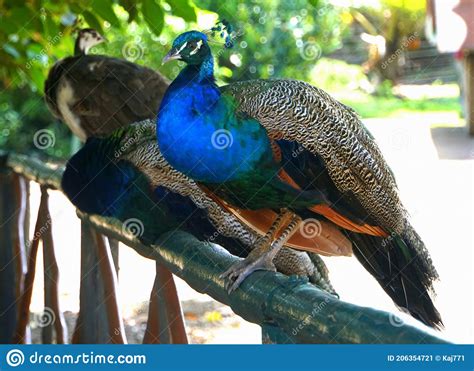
(172, 55)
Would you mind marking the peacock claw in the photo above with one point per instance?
(239, 271)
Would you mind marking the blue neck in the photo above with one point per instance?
(199, 133)
(197, 73)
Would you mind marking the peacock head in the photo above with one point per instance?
(86, 39)
(191, 47)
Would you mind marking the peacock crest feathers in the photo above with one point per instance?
(225, 31)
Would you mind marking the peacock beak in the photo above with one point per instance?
(172, 55)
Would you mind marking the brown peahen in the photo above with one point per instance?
(96, 94)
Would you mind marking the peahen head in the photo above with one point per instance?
(191, 47)
(86, 39)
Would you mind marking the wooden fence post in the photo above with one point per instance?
(12, 249)
(91, 324)
(109, 280)
(52, 317)
(165, 318)
(98, 321)
(23, 316)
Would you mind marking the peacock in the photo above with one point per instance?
(99, 178)
(106, 177)
(289, 149)
(96, 94)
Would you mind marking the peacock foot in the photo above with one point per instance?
(239, 271)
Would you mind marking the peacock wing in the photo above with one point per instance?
(301, 113)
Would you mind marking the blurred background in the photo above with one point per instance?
(405, 66)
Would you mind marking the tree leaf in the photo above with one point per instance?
(8, 26)
(104, 8)
(21, 16)
(76, 8)
(50, 27)
(153, 15)
(92, 21)
(131, 7)
(182, 8)
(36, 76)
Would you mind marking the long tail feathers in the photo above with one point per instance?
(403, 268)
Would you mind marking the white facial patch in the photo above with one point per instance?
(88, 40)
(182, 47)
(198, 46)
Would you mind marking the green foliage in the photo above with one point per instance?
(401, 23)
(36, 33)
(274, 38)
(385, 89)
(24, 115)
(349, 84)
(153, 15)
(277, 38)
(369, 106)
(335, 76)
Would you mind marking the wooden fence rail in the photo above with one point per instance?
(289, 309)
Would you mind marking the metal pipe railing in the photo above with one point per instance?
(300, 310)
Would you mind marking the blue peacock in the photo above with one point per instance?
(286, 147)
(124, 176)
(121, 173)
